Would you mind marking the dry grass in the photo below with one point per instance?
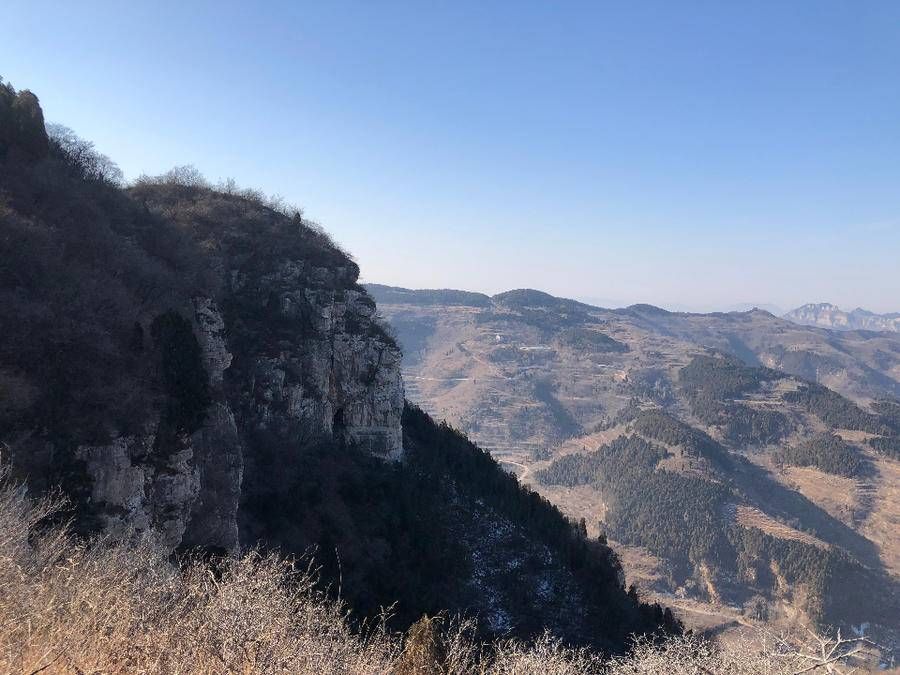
(836, 495)
(883, 519)
(66, 608)
(101, 607)
(749, 516)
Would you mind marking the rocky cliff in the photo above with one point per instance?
(826, 315)
(218, 316)
(339, 378)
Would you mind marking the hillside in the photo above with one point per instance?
(199, 366)
(826, 315)
(703, 446)
(95, 607)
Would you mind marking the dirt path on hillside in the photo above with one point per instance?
(525, 469)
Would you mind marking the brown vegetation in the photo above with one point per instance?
(88, 607)
(97, 607)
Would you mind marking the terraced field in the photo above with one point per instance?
(748, 516)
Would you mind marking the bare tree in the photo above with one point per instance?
(825, 653)
(83, 156)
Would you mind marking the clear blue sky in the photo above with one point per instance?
(687, 154)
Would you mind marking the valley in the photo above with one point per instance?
(775, 421)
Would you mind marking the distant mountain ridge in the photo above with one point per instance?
(445, 296)
(860, 366)
(826, 315)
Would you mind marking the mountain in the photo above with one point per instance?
(826, 315)
(199, 365)
(743, 465)
(749, 306)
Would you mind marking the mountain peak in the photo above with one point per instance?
(827, 315)
(526, 297)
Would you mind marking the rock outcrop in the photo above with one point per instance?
(340, 378)
(826, 315)
(21, 124)
(129, 493)
(257, 327)
(219, 451)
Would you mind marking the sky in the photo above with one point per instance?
(693, 155)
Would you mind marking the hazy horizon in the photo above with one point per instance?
(617, 303)
(691, 156)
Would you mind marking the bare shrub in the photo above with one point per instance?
(185, 176)
(82, 156)
(99, 606)
(767, 655)
(186, 196)
(546, 656)
(692, 655)
(422, 651)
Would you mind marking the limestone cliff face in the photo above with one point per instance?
(131, 492)
(187, 493)
(298, 353)
(339, 377)
(219, 452)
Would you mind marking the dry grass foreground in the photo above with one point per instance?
(101, 607)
